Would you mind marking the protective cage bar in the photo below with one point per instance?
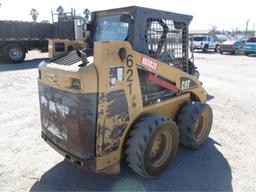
(167, 41)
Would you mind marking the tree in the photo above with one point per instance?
(214, 28)
(87, 14)
(246, 29)
(60, 10)
(34, 13)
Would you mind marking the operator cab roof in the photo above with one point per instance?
(143, 23)
(138, 11)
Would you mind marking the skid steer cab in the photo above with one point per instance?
(127, 96)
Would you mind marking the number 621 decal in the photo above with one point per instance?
(185, 84)
(129, 72)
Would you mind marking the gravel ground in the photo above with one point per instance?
(226, 162)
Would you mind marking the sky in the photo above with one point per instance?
(225, 14)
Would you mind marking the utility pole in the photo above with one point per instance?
(253, 29)
(246, 29)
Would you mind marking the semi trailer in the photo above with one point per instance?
(18, 37)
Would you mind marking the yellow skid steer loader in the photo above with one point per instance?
(128, 95)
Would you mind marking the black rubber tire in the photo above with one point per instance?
(196, 74)
(194, 117)
(246, 53)
(216, 48)
(235, 52)
(205, 48)
(141, 142)
(12, 58)
(221, 52)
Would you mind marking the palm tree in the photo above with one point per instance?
(60, 10)
(34, 13)
(87, 14)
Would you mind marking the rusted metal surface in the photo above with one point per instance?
(117, 103)
(116, 112)
(89, 164)
(68, 120)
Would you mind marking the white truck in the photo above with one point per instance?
(205, 43)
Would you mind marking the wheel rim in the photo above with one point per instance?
(201, 125)
(196, 74)
(15, 53)
(161, 149)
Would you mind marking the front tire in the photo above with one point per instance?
(152, 145)
(14, 53)
(196, 74)
(235, 52)
(194, 122)
(205, 48)
(216, 48)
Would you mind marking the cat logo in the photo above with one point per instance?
(185, 84)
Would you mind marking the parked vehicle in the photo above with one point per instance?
(205, 43)
(192, 69)
(127, 103)
(17, 38)
(231, 46)
(250, 47)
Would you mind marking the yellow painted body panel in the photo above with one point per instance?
(68, 44)
(106, 55)
(64, 74)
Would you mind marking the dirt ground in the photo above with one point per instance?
(226, 162)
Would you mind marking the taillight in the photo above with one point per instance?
(75, 84)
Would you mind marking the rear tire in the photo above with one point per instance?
(205, 48)
(152, 145)
(235, 52)
(194, 122)
(196, 74)
(216, 48)
(14, 53)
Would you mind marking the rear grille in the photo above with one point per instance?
(67, 59)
